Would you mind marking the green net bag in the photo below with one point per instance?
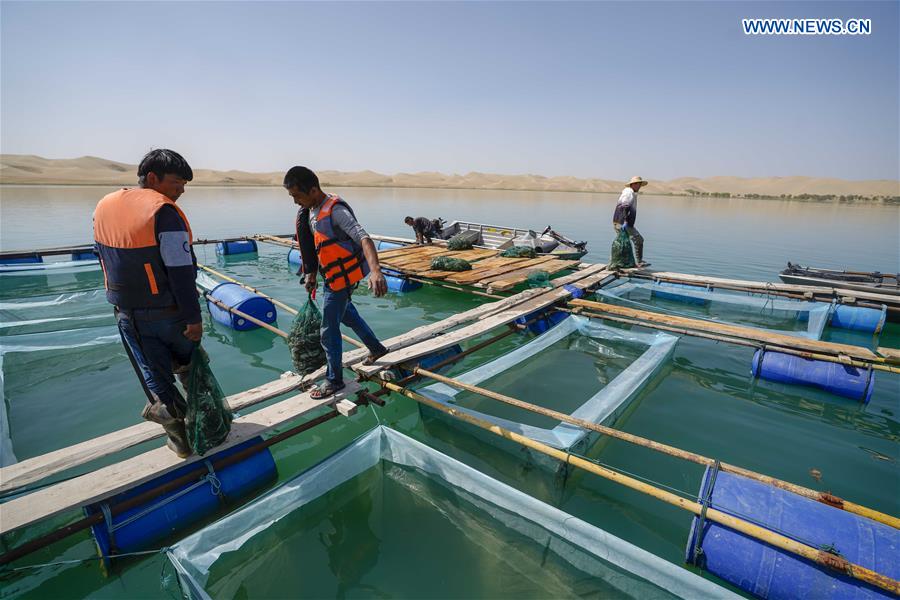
(448, 263)
(305, 340)
(621, 256)
(538, 279)
(208, 417)
(518, 252)
(460, 241)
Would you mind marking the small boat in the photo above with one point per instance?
(882, 283)
(501, 238)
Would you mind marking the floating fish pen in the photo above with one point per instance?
(627, 390)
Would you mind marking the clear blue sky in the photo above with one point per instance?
(612, 89)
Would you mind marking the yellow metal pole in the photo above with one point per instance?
(822, 497)
(815, 555)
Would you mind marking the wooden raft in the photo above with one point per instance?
(496, 273)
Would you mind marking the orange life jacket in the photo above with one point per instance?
(125, 236)
(340, 262)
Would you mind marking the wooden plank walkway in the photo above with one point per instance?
(583, 279)
(40, 467)
(113, 479)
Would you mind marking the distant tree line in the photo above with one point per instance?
(812, 197)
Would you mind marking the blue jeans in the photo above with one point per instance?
(155, 348)
(339, 309)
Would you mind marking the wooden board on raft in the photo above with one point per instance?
(735, 331)
(539, 298)
(510, 280)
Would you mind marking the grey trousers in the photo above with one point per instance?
(637, 240)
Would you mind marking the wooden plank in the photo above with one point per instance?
(484, 264)
(40, 467)
(762, 286)
(510, 280)
(116, 478)
(892, 355)
(512, 265)
(582, 279)
(748, 333)
(407, 251)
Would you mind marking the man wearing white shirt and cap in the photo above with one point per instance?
(625, 214)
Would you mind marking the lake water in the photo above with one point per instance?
(65, 377)
(747, 238)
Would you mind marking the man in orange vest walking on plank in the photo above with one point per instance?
(334, 244)
(144, 243)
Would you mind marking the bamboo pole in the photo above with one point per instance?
(263, 237)
(290, 309)
(822, 497)
(772, 538)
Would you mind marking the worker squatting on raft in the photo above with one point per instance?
(144, 241)
(424, 229)
(625, 215)
(333, 243)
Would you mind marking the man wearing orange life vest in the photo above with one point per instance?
(144, 243)
(334, 244)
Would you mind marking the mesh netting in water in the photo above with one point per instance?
(460, 241)
(537, 279)
(518, 252)
(621, 256)
(448, 263)
(305, 339)
(208, 418)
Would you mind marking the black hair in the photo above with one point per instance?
(301, 178)
(408, 220)
(162, 162)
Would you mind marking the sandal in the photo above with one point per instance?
(322, 392)
(372, 358)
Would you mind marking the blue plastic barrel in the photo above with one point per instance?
(670, 291)
(236, 247)
(768, 572)
(234, 296)
(23, 260)
(429, 361)
(383, 245)
(860, 318)
(546, 318)
(144, 527)
(400, 284)
(843, 380)
(294, 257)
(86, 255)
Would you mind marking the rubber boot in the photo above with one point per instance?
(157, 412)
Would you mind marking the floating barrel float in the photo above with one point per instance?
(24, 260)
(144, 527)
(86, 255)
(546, 318)
(294, 257)
(236, 247)
(843, 380)
(769, 572)
(670, 291)
(429, 361)
(383, 245)
(859, 318)
(397, 283)
(236, 297)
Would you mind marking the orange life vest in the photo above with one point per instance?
(340, 262)
(125, 236)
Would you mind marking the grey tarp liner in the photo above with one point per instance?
(815, 314)
(586, 547)
(602, 407)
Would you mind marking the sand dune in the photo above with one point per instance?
(91, 170)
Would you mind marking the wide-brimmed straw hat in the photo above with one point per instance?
(639, 180)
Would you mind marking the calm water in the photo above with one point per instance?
(66, 378)
(714, 236)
